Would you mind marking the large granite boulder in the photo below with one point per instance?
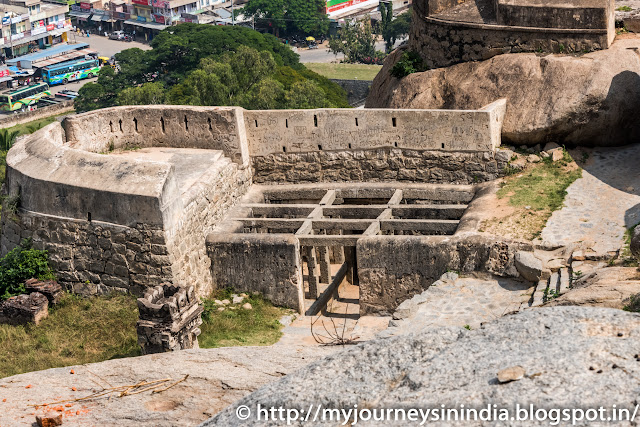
(571, 357)
(589, 100)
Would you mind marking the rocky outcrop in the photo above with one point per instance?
(217, 378)
(588, 100)
(605, 287)
(572, 357)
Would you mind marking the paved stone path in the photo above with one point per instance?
(601, 205)
(463, 301)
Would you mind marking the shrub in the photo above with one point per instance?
(21, 264)
(410, 62)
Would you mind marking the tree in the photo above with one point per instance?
(204, 65)
(356, 40)
(250, 79)
(386, 14)
(146, 94)
(305, 94)
(90, 97)
(400, 27)
(300, 17)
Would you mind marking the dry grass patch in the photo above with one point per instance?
(78, 330)
(527, 198)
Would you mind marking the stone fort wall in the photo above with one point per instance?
(111, 222)
(444, 40)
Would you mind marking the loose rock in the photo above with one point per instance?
(528, 266)
(514, 373)
(49, 421)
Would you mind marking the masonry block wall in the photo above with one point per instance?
(114, 222)
(393, 269)
(513, 26)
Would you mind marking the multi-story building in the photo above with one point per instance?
(28, 24)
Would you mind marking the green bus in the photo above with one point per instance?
(20, 99)
(65, 73)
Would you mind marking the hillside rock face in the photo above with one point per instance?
(217, 378)
(588, 100)
(573, 357)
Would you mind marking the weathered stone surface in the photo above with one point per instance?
(23, 309)
(217, 378)
(586, 362)
(583, 100)
(49, 288)
(606, 287)
(528, 266)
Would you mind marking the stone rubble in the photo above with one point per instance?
(23, 309)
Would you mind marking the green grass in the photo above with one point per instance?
(542, 188)
(258, 326)
(345, 71)
(78, 330)
(34, 125)
(87, 330)
(624, 9)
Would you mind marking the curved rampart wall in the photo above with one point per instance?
(118, 222)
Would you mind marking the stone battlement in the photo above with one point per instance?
(123, 197)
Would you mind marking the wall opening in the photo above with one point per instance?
(135, 123)
(89, 216)
(284, 149)
(443, 145)
(162, 123)
(186, 123)
(319, 147)
(120, 123)
(286, 123)
(315, 120)
(256, 123)
(209, 121)
(111, 126)
(393, 121)
(356, 121)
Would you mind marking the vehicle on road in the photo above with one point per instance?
(66, 94)
(65, 73)
(24, 97)
(120, 35)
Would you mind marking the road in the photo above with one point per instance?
(322, 54)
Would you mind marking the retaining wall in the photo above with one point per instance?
(392, 269)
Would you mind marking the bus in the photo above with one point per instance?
(22, 98)
(65, 73)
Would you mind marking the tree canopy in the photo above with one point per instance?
(209, 65)
(357, 40)
(296, 17)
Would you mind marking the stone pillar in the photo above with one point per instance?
(169, 319)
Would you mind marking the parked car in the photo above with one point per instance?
(120, 35)
(66, 94)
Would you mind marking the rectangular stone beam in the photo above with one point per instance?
(421, 225)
